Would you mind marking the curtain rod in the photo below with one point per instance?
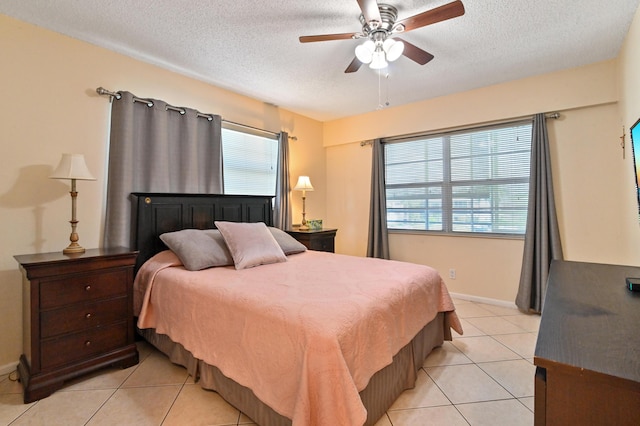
(105, 92)
(554, 115)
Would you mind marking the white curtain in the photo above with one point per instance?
(156, 148)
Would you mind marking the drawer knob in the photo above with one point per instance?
(87, 287)
(87, 343)
(88, 315)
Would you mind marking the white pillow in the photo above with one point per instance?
(250, 244)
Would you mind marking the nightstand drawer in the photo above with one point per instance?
(320, 239)
(77, 346)
(322, 244)
(82, 317)
(80, 288)
(77, 316)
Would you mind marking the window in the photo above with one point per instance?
(468, 181)
(250, 163)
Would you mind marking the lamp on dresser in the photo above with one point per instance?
(73, 167)
(304, 185)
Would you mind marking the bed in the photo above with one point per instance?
(295, 340)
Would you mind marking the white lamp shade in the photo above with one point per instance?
(72, 166)
(304, 184)
(393, 49)
(378, 61)
(364, 51)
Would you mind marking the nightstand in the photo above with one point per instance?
(77, 316)
(320, 240)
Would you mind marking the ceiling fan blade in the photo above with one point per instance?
(414, 53)
(326, 37)
(353, 66)
(370, 10)
(442, 13)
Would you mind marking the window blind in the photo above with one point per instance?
(249, 163)
(468, 181)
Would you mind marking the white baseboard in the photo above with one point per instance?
(8, 368)
(488, 301)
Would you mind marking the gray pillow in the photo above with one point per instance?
(250, 244)
(288, 244)
(198, 249)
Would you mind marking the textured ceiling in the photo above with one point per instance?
(251, 46)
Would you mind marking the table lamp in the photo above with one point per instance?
(72, 166)
(304, 185)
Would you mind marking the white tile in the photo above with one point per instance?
(529, 322)
(424, 394)
(516, 376)
(528, 402)
(497, 413)
(466, 383)
(196, 406)
(156, 369)
(143, 406)
(495, 325)
(65, 408)
(11, 407)
(468, 330)
(500, 310)
(524, 344)
(472, 310)
(108, 378)
(484, 349)
(447, 354)
(433, 416)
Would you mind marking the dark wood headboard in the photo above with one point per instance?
(154, 214)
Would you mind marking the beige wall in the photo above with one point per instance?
(48, 106)
(593, 183)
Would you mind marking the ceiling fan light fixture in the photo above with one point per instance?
(364, 51)
(393, 49)
(378, 61)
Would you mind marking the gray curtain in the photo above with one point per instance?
(378, 245)
(157, 149)
(282, 207)
(542, 239)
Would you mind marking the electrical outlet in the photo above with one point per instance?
(452, 274)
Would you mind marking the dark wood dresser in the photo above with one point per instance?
(588, 349)
(77, 316)
(320, 240)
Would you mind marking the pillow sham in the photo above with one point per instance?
(198, 249)
(250, 244)
(287, 243)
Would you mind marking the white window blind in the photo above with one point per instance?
(249, 163)
(468, 181)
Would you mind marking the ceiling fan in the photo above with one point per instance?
(379, 27)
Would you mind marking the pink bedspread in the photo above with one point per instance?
(305, 335)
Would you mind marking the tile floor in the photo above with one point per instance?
(482, 378)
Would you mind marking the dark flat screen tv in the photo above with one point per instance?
(635, 146)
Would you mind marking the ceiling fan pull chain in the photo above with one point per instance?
(386, 78)
(379, 90)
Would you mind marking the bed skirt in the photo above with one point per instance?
(383, 389)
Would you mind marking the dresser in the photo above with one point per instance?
(77, 316)
(587, 355)
(320, 240)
